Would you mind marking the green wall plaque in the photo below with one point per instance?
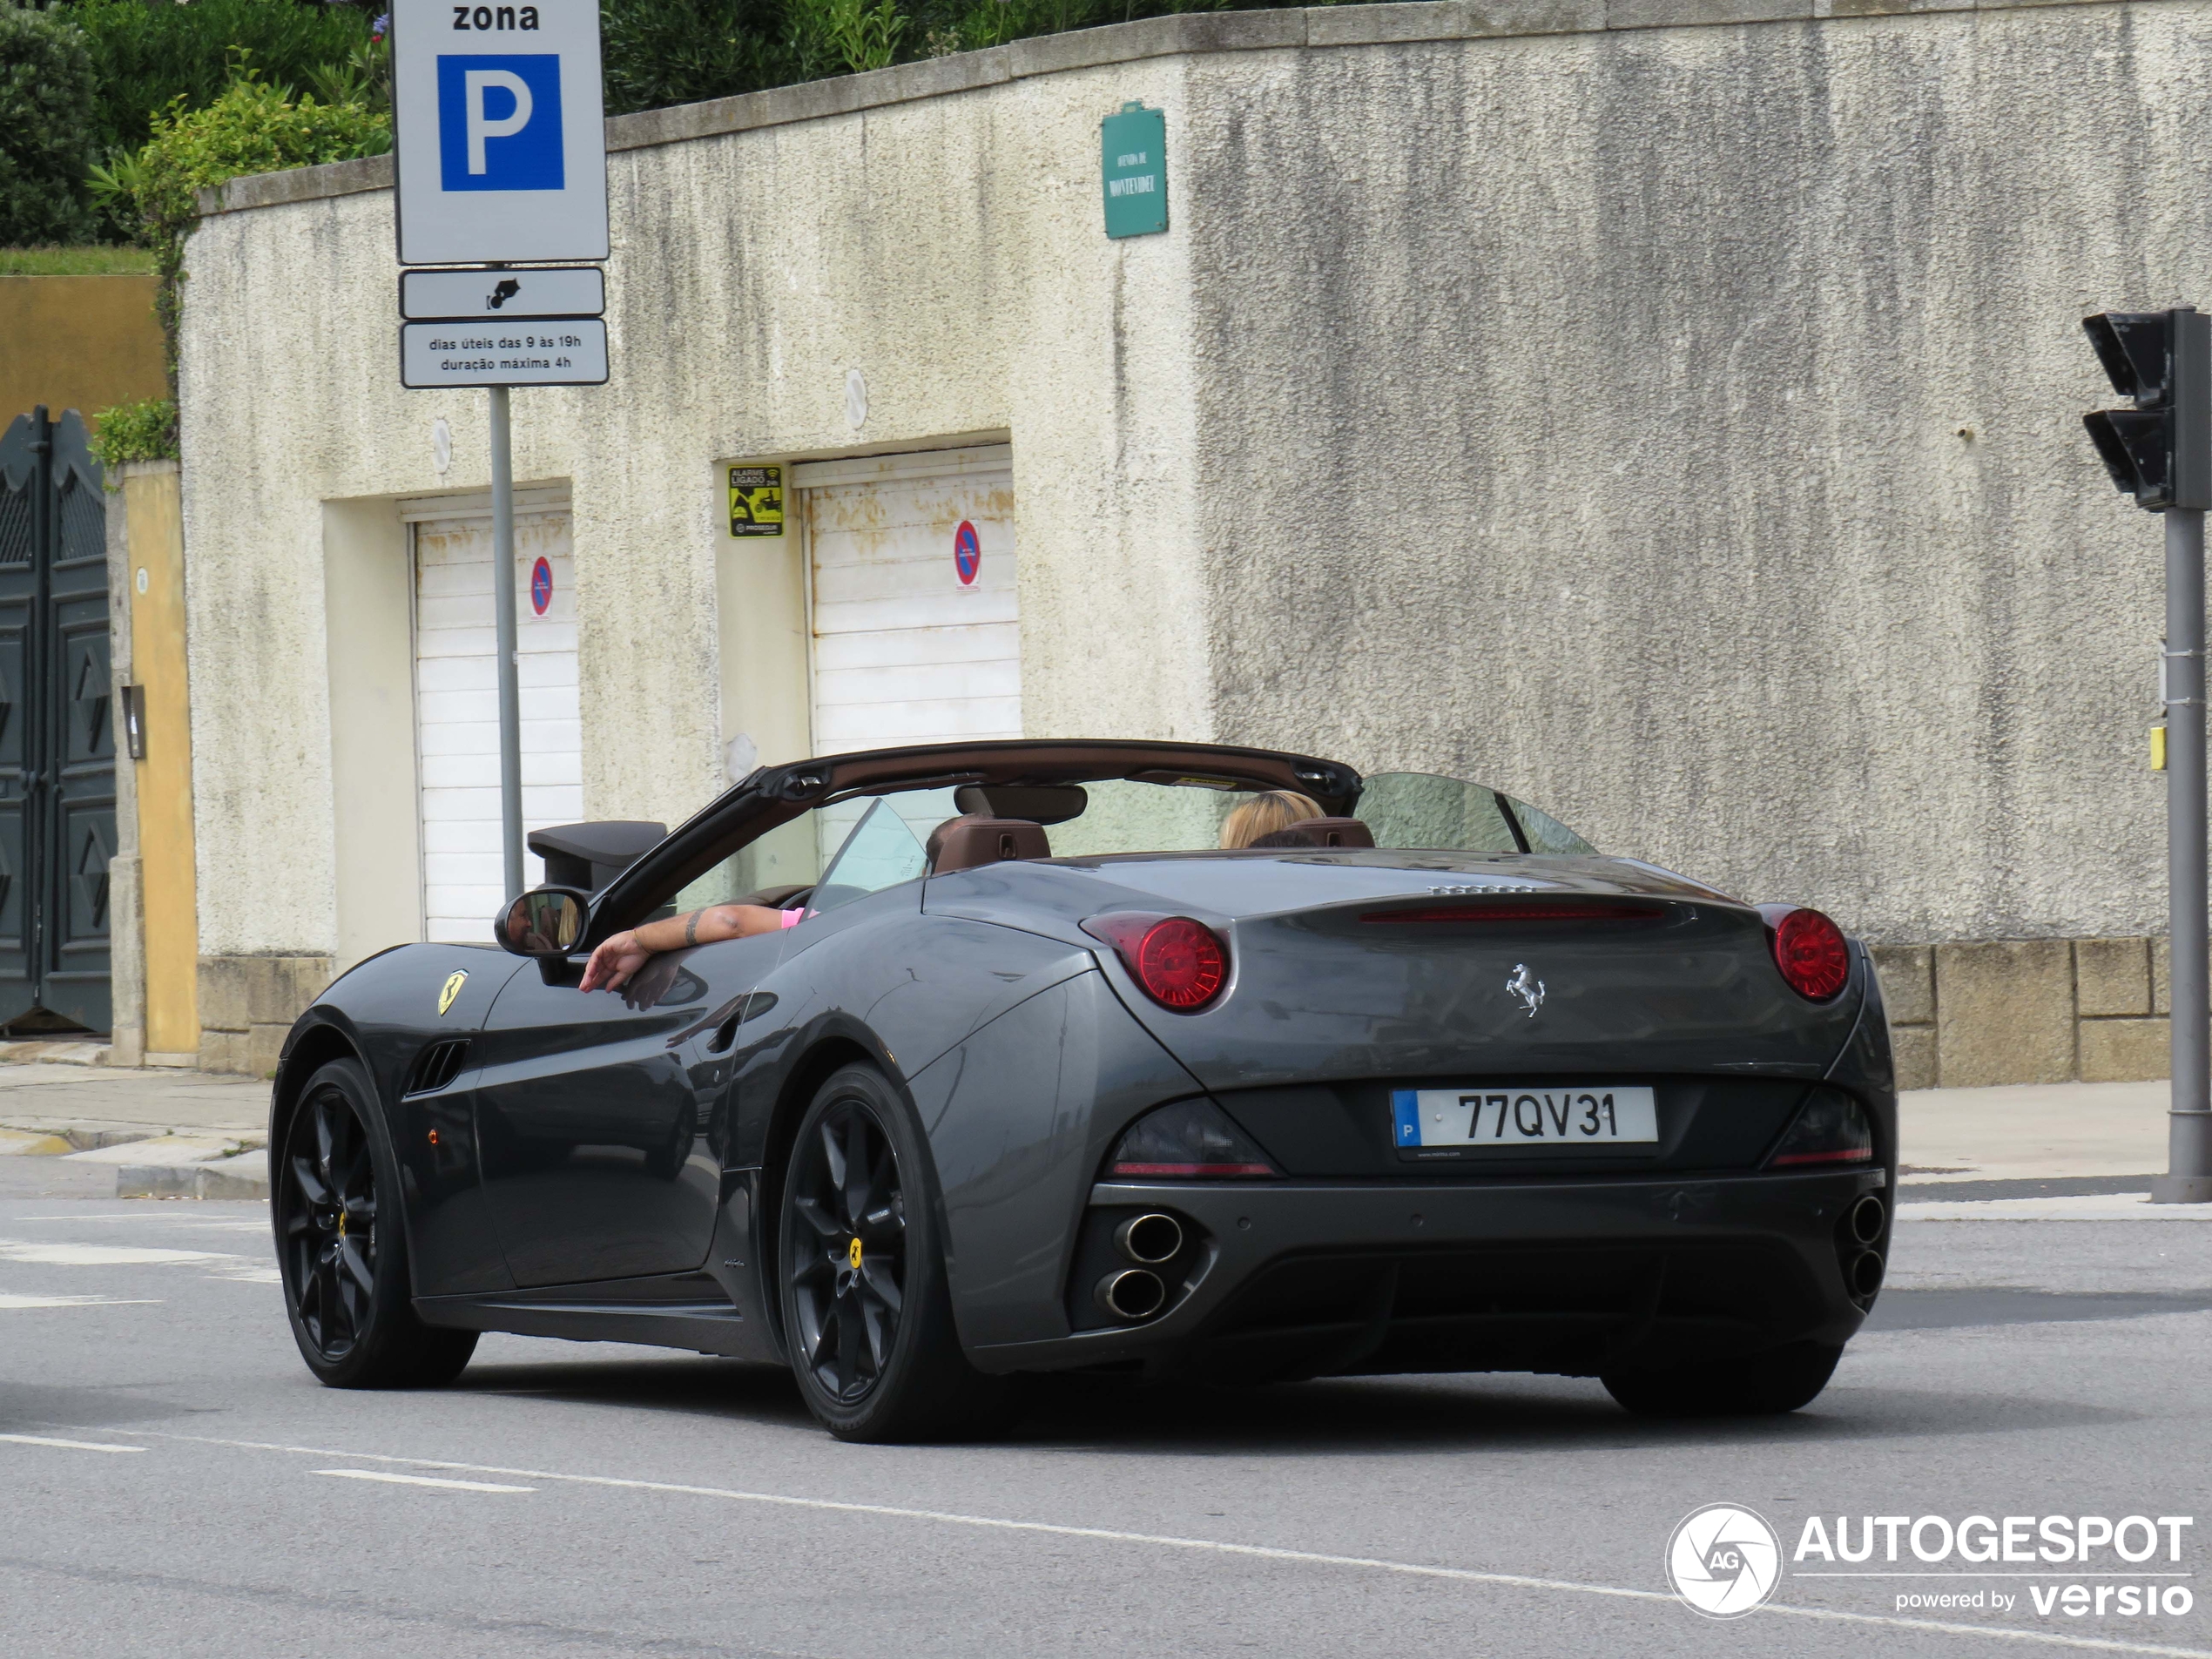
(1133, 170)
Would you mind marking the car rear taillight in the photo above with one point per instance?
(1192, 1140)
(1181, 964)
(1810, 950)
(1831, 1129)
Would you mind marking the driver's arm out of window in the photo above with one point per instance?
(622, 954)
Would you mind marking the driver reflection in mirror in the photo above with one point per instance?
(622, 954)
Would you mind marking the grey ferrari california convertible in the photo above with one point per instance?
(1043, 1079)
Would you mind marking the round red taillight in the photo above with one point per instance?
(1180, 963)
(1812, 953)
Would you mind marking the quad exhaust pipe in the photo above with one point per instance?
(1866, 1272)
(1867, 1217)
(1130, 1293)
(1148, 1240)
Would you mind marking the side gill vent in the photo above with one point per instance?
(440, 1064)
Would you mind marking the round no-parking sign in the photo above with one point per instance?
(541, 586)
(968, 553)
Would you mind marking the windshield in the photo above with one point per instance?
(834, 854)
(1424, 810)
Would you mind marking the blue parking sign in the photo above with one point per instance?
(499, 121)
(498, 132)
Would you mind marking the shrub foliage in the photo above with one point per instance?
(250, 127)
(149, 55)
(47, 141)
(141, 431)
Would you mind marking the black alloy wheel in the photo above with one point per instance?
(329, 1226)
(867, 1318)
(341, 1246)
(847, 1263)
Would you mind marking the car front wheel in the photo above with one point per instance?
(341, 1246)
(866, 1312)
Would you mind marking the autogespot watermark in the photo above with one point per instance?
(1724, 1561)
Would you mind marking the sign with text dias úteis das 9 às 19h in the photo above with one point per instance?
(558, 351)
(1133, 171)
(500, 133)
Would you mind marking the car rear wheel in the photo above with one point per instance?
(1763, 1385)
(342, 1248)
(867, 1315)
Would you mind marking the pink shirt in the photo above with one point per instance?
(791, 918)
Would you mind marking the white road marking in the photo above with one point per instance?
(18, 1250)
(69, 1446)
(11, 1301)
(1164, 1540)
(242, 1269)
(155, 1217)
(420, 1480)
(2102, 1206)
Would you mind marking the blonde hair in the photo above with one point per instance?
(1265, 814)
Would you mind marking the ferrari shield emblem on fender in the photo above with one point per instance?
(455, 981)
(1529, 990)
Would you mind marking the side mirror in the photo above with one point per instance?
(545, 922)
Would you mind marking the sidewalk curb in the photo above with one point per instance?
(188, 1180)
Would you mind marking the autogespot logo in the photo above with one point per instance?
(1723, 1560)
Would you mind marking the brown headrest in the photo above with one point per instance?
(965, 842)
(1332, 831)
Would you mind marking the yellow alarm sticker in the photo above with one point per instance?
(453, 982)
(755, 500)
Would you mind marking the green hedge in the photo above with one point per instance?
(47, 137)
(149, 53)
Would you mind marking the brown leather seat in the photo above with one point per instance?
(1334, 831)
(974, 839)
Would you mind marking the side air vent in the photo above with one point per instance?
(440, 1064)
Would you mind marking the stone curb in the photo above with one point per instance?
(65, 1052)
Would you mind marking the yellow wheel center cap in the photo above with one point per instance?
(852, 1255)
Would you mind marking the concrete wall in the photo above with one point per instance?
(77, 343)
(1668, 414)
(1681, 428)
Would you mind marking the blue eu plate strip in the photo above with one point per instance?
(1405, 1104)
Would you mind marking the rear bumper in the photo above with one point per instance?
(1306, 1278)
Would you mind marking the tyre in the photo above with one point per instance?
(342, 1245)
(1761, 1385)
(867, 1315)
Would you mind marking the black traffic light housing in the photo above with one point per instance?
(2159, 451)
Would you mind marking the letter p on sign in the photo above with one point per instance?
(499, 122)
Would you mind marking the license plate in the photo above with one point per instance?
(1577, 1114)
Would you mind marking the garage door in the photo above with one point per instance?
(457, 705)
(916, 635)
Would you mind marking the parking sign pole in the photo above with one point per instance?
(2189, 1163)
(502, 601)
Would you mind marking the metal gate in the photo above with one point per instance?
(56, 733)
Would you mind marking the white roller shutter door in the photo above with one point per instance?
(456, 703)
(904, 651)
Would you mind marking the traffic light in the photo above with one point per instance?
(2160, 451)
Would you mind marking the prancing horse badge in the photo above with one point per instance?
(455, 981)
(1530, 991)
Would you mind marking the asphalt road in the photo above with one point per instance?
(173, 1481)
